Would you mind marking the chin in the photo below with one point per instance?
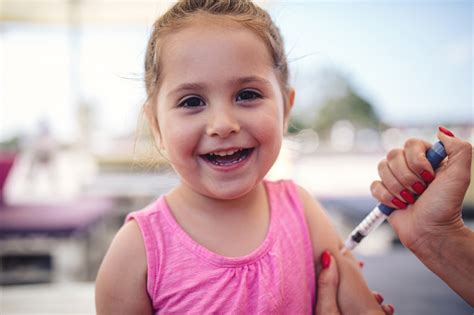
(230, 191)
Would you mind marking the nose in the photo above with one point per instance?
(222, 122)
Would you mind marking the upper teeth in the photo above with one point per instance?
(224, 153)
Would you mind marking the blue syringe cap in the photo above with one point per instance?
(385, 209)
(436, 154)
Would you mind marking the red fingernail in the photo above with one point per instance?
(400, 204)
(427, 176)
(361, 264)
(379, 297)
(391, 308)
(325, 259)
(407, 196)
(446, 131)
(418, 187)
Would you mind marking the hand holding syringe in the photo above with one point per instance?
(435, 155)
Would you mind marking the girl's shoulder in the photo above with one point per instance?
(294, 191)
(300, 197)
(283, 188)
(156, 207)
(153, 221)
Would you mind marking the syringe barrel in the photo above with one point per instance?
(370, 223)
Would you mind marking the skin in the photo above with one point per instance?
(121, 281)
(232, 99)
(328, 283)
(432, 228)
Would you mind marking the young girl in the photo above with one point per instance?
(224, 240)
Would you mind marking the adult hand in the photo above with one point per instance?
(432, 227)
(406, 173)
(328, 281)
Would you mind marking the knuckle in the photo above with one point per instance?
(386, 197)
(411, 142)
(326, 281)
(379, 192)
(405, 178)
(418, 162)
(374, 188)
(467, 148)
(382, 166)
(420, 158)
(393, 153)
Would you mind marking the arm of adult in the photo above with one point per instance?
(121, 281)
(432, 228)
(353, 294)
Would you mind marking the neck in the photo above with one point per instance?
(184, 197)
(228, 227)
(185, 202)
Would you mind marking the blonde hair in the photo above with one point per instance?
(244, 12)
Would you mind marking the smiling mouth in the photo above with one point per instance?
(227, 158)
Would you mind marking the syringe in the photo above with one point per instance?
(435, 155)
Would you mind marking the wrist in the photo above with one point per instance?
(431, 244)
(451, 257)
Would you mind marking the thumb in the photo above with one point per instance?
(328, 282)
(459, 151)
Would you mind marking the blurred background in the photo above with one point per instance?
(76, 155)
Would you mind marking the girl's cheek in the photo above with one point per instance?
(271, 120)
(181, 139)
(270, 133)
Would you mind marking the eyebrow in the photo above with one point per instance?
(235, 81)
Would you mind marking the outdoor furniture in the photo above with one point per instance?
(49, 241)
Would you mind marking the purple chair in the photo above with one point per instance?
(58, 220)
(55, 219)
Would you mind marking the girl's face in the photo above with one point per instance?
(220, 109)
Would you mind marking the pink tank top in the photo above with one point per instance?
(276, 278)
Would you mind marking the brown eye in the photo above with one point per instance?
(191, 102)
(248, 95)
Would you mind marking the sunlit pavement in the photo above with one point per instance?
(56, 298)
(407, 284)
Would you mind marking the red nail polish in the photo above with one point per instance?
(427, 176)
(445, 131)
(325, 259)
(361, 264)
(400, 204)
(391, 308)
(418, 187)
(379, 298)
(407, 196)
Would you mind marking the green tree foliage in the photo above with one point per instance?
(351, 107)
(296, 124)
(340, 102)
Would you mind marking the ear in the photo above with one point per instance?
(154, 126)
(290, 100)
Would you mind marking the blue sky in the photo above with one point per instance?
(412, 59)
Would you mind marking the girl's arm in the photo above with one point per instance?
(353, 295)
(121, 281)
